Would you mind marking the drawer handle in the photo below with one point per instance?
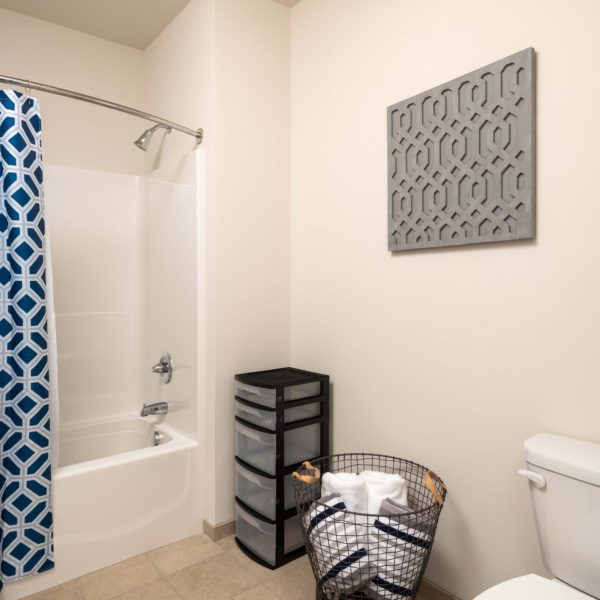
(255, 480)
(251, 392)
(308, 478)
(254, 523)
(250, 411)
(250, 434)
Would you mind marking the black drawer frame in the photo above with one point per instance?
(279, 379)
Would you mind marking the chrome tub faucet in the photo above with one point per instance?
(155, 408)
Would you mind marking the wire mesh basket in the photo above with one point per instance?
(359, 555)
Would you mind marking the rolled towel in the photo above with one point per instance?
(351, 487)
(340, 547)
(398, 540)
(391, 508)
(384, 485)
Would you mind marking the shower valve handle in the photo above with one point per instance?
(164, 367)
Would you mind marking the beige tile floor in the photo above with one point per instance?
(192, 569)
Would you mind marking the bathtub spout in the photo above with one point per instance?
(156, 408)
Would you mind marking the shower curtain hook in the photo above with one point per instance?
(28, 88)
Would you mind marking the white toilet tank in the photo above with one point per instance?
(567, 509)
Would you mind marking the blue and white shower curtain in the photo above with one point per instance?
(25, 438)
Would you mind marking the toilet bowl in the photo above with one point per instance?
(532, 587)
(564, 482)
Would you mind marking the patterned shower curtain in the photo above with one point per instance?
(25, 465)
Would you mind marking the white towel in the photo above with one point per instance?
(351, 488)
(340, 547)
(381, 486)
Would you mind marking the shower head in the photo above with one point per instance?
(144, 140)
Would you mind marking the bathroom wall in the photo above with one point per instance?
(93, 218)
(451, 357)
(75, 133)
(177, 68)
(249, 215)
(167, 79)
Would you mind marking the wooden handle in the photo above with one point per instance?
(429, 480)
(308, 478)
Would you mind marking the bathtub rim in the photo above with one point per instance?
(178, 441)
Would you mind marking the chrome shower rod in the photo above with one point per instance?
(42, 87)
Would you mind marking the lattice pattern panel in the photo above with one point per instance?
(461, 159)
(25, 493)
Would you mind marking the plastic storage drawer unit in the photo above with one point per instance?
(267, 397)
(268, 419)
(281, 420)
(259, 493)
(259, 537)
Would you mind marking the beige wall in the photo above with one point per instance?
(167, 79)
(177, 68)
(249, 214)
(451, 357)
(78, 134)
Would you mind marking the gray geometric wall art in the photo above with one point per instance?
(462, 159)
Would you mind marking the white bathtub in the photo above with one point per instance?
(90, 442)
(117, 495)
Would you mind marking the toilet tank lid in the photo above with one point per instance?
(566, 456)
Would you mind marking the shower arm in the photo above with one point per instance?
(42, 87)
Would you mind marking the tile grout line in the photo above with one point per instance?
(173, 587)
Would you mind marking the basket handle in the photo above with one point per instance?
(308, 478)
(429, 480)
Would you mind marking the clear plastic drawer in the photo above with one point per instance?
(266, 396)
(259, 536)
(267, 418)
(259, 492)
(257, 448)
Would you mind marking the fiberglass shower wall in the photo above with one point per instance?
(170, 258)
(94, 232)
(123, 252)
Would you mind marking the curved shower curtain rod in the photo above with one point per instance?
(42, 87)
